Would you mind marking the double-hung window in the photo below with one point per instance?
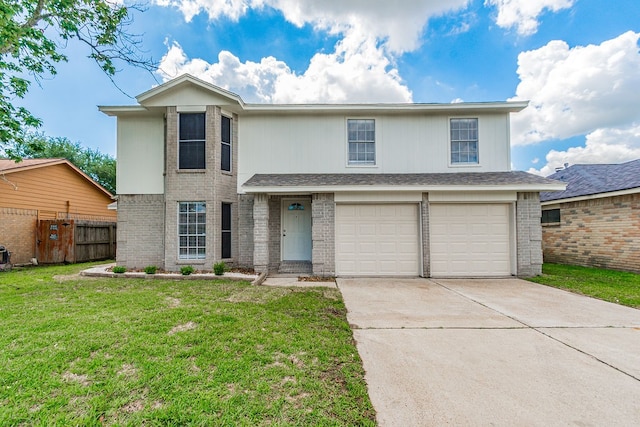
(191, 141)
(362, 141)
(225, 128)
(464, 141)
(226, 230)
(192, 232)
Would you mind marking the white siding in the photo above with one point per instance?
(140, 155)
(415, 143)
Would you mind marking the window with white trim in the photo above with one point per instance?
(464, 141)
(362, 141)
(192, 229)
(225, 128)
(191, 141)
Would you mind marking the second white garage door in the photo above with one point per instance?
(470, 240)
(377, 240)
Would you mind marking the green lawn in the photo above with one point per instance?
(609, 285)
(80, 351)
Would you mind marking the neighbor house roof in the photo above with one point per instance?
(11, 166)
(511, 181)
(589, 180)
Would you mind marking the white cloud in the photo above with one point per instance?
(399, 26)
(357, 71)
(574, 91)
(523, 14)
(602, 146)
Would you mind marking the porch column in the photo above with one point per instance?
(529, 234)
(323, 234)
(261, 233)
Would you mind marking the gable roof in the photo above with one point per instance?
(588, 180)
(154, 99)
(11, 166)
(512, 180)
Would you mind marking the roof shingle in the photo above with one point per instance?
(585, 180)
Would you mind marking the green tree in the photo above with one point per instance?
(33, 34)
(99, 166)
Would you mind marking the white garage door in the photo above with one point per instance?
(469, 240)
(377, 240)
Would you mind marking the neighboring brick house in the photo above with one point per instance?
(329, 189)
(37, 189)
(596, 221)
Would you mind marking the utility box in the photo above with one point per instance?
(5, 259)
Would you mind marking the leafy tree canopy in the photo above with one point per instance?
(33, 34)
(99, 166)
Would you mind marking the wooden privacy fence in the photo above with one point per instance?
(71, 241)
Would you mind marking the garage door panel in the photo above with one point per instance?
(470, 239)
(383, 239)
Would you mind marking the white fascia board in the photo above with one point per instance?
(395, 188)
(592, 197)
(116, 110)
(463, 107)
(188, 78)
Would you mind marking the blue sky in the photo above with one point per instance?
(576, 61)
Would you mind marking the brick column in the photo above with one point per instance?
(261, 233)
(245, 230)
(529, 234)
(323, 234)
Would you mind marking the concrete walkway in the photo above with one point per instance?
(494, 352)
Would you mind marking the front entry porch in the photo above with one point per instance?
(294, 234)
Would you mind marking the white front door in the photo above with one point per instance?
(296, 230)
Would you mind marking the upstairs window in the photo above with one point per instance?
(226, 144)
(362, 141)
(464, 141)
(191, 140)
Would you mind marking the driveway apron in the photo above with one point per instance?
(494, 352)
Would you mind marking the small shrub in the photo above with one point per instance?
(186, 270)
(119, 269)
(150, 269)
(219, 268)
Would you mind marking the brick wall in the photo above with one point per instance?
(140, 230)
(18, 233)
(601, 233)
(211, 185)
(528, 235)
(323, 256)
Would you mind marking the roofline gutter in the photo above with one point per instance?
(592, 196)
(396, 188)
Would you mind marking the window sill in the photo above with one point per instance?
(228, 173)
(198, 261)
(356, 165)
(191, 171)
(465, 165)
(552, 224)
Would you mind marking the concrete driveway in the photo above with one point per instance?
(494, 352)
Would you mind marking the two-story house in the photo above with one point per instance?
(329, 189)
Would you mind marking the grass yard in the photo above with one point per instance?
(609, 285)
(80, 351)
